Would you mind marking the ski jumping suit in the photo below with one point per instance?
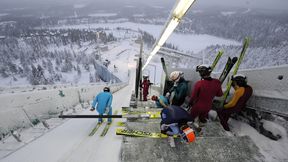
(202, 96)
(103, 100)
(162, 99)
(145, 85)
(237, 103)
(172, 118)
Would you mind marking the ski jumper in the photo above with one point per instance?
(172, 118)
(180, 92)
(163, 100)
(202, 96)
(103, 100)
(237, 103)
(145, 85)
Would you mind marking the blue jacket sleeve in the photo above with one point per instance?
(110, 101)
(95, 101)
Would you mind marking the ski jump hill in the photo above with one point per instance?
(270, 94)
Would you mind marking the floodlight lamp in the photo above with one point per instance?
(182, 7)
(168, 31)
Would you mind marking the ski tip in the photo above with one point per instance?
(234, 59)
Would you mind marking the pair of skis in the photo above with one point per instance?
(106, 128)
(228, 67)
(230, 63)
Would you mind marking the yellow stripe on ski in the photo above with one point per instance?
(121, 124)
(151, 114)
(137, 133)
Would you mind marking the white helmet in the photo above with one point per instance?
(175, 75)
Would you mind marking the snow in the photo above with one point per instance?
(138, 15)
(4, 14)
(70, 142)
(274, 128)
(228, 13)
(273, 151)
(129, 6)
(103, 14)
(192, 42)
(79, 5)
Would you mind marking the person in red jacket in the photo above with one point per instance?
(203, 93)
(241, 95)
(145, 87)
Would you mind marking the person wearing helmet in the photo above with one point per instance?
(203, 93)
(241, 95)
(103, 102)
(145, 86)
(161, 101)
(174, 121)
(179, 90)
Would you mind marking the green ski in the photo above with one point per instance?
(220, 53)
(107, 126)
(138, 133)
(242, 54)
(95, 129)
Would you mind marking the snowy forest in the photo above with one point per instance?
(32, 49)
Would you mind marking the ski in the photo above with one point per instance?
(121, 124)
(107, 126)
(105, 130)
(229, 65)
(151, 114)
(168, 83)
(138, 133)
(242, 54)
(219, 55)
(164, 68)
(95, 129)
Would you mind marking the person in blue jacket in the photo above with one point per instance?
(161, 101)
(103, 102)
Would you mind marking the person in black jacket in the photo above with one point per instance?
(175, 122)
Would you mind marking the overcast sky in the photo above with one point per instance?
(267, 4)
